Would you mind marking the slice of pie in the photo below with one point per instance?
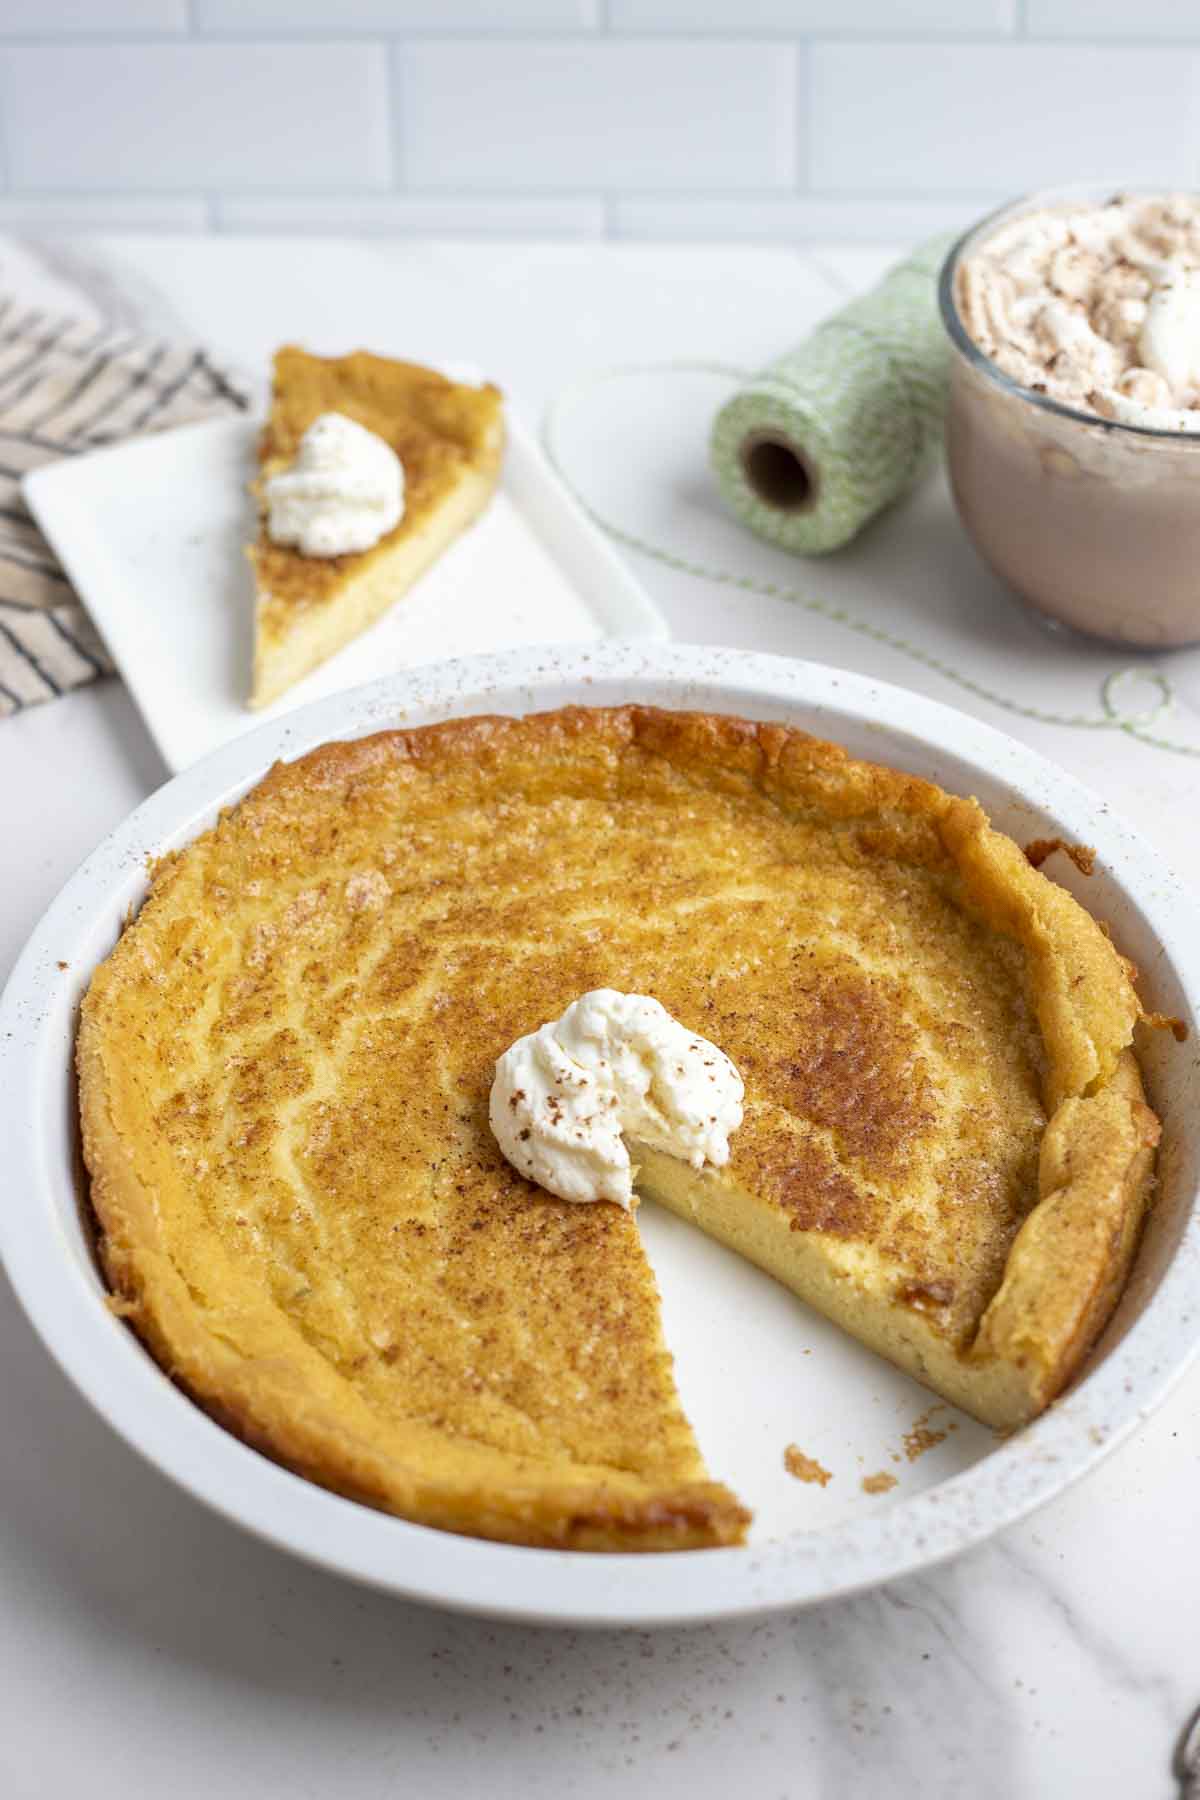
(285, 1067)
(449, 438)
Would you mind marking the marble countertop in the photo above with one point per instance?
(147, 1645)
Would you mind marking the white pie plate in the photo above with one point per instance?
(756, 1369)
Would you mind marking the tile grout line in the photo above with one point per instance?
(393, 50)
(803, 91)
(6, 172)
(584, 36)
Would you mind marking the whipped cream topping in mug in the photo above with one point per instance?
(1096, 306)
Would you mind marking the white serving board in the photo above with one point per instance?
(152, 535)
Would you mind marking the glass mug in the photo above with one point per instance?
(1095, 524)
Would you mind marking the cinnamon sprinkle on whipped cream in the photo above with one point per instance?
(566, 1096)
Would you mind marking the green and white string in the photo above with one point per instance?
(1110, 717)
(860, 404)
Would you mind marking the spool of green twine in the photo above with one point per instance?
(816, 444)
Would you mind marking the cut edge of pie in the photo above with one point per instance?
(1065, 1267)
(450, 438)
(1065, 1270)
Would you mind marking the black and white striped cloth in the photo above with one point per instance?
(68, 385)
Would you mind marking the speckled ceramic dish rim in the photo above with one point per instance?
(46, 1250)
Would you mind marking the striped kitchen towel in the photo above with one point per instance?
(68, 385)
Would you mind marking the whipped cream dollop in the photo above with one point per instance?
(1170, 334)
(1095, 306)
(566, 1097)
(344, 491)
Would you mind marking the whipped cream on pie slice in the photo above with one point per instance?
(344, 491)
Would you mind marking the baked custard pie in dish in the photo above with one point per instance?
(286, 1064)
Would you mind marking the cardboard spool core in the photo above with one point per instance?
(779, 473)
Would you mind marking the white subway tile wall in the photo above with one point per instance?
(389, 17)
(752, 120)
(803, 218)
(54, 213)
(598, 115)
(86, 18)
(792, 17)
(413, 215)
(899, 117)
(173, 116)
(1114, 19)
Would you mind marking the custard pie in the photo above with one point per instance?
(449, 438)
(285, 1068)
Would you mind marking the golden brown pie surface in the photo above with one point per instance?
(449, 437)
(285, 1069)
